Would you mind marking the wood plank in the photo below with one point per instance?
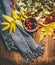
(48, 56)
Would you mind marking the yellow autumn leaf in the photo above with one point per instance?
(6, 27)
(43, 34)
(8, 18)
(23, 14)
(11, 24)
(48, 29)
(51, 29)
(22, 18)
(19, 23)
(14, 26)
(5, 23)
(44, 25)
(43, 29)
(15, 15)
(52, 25)
(49, 33)
(10, 31)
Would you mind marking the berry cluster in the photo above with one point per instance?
(49, 19)
(30, 23)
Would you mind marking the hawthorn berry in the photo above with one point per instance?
(30, 23)
(47, 20)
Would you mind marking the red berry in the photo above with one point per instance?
(30, 28)
(47, 20)
(28, 24)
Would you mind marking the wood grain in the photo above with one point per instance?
(48, 57)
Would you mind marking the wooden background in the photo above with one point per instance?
(14, 58)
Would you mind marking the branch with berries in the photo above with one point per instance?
(48, 27)
(33, 7)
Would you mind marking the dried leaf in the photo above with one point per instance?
(43, 29)
(22, 18)
(49, 33)
(10, 31)
(8, 18)
(43, 34)
(6, 27)
(5, 23)
(14, 26)
(19, 23)
(52, 25)
(48, 29)
(15, 15)
(23, 14)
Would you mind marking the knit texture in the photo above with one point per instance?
(20, 40)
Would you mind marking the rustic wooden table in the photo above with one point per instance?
(48, 57)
